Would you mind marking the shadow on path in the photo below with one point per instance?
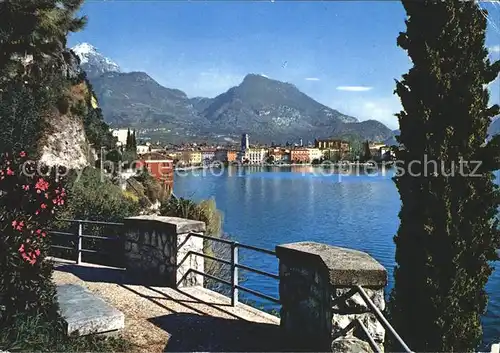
(99, 274)
(197, 333)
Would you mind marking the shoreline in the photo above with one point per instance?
(332, 165)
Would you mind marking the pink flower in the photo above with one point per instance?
(43, 206)
(22, 154)
(20, 226)
(14, 223)
(41, 185)
(21, 248)
(26, 187)
(37, 252)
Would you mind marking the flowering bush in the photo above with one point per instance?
(30, 195)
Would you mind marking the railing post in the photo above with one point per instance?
(79, 243)
(158, 250)
(234, 273)
(319, 302)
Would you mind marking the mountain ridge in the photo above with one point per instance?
(269, 109)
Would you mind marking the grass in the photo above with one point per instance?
(37, 334)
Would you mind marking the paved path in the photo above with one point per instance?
(159, 319)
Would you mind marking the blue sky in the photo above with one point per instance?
(341, 53)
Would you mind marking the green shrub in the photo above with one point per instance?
(151, 187)
(93, 198)
(28, 333)
(205, 211)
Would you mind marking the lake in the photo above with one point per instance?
(265, 207)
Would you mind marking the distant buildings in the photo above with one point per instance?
(159, 167)
(208, 155)
(331, 149)
(299, 155)
(378, 150)
(192, 154)
(226, 155)
(194, 157)
(339, 145)
(143, 149)
(315, 154)
(121, 135)
(254, 155)
(279, 155)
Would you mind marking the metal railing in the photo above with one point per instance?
(79, 236)
(235, 267)
(381, 318)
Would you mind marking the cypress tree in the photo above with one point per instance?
(128, 144)
(134, 142)
(367, 154)
(448, 231)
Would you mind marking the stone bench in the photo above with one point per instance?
(495, 348)
(85, 313)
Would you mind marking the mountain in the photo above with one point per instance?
(93, 62)
(391, 141)
(267, 109)
(494, 127)
(135, 99)
(276, 110)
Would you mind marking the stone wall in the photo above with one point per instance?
(156, 250)
(318, 297)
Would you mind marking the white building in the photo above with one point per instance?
(255, 155)
(121, 135)
(315, 153)
(142, 149)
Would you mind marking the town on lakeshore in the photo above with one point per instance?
(162, 159)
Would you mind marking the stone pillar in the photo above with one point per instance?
(156, 250)
(316, 283)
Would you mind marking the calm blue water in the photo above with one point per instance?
(266, 207)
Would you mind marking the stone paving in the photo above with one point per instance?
(159, 319)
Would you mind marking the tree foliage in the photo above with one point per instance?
(93, 197)
(448, 232)
(146, 186)
(367, 154)
(207, 212)
(22, 112)
(35, 31)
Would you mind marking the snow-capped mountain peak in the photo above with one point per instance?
(92, 61)
(84, 50)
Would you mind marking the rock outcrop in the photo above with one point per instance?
(66, 142)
